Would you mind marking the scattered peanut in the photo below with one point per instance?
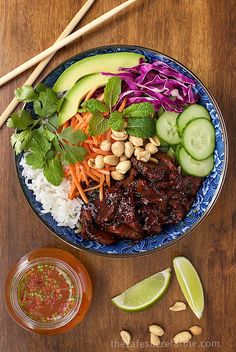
(151, 148)
(138, 149)
(99, 162)
(112, 160)
(196, 330)
(129, 149)
(154, 160)
(117, 176)
(123, 166)
(143, 156)
(182, 337)
(105, 146)
(91, 162)
(155, 340)
(118, 148)
(126, 337)
(136, 141)
(156, 330)
(123, 157)
(119, 135)
(155, 140)
(178, 306)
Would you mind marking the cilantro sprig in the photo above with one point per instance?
(38, 135)
(139, 117)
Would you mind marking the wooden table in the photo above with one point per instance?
(200, 34)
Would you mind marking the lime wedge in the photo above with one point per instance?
(144, 293)
(190, 284)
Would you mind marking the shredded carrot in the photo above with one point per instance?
(78, 185)
(101, 190)
(108, 135)
(123, 104)
(84, 175)
(107, 177)
(73, 121)
(102, 171)
(90, 93)
(92, 188)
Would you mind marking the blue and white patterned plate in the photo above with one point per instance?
(206, 196)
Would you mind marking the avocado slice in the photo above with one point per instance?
(75, 95)
(94, 64)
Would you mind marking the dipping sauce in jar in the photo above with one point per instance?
(48, 291)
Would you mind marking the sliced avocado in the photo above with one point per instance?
(75, 95)
(94, 64)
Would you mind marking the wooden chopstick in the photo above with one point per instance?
(34, 75)
(64, 42)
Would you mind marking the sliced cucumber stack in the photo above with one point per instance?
(194, 167)
(199, 138)
(167, 129)
(190, 113)
(191, 139)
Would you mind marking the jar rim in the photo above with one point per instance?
(21, 270)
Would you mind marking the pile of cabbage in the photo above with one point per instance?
(157, 83)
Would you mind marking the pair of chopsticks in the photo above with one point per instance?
(63, 40)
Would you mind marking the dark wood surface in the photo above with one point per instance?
(200, 34)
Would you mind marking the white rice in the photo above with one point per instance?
(54, 199)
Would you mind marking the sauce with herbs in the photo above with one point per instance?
(46, 293)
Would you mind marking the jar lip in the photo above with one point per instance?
(21, 270)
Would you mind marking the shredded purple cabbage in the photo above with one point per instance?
(157, 83)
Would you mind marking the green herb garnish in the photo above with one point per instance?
(141, 127)
(46, 148)
(112, 92)
(98, 124)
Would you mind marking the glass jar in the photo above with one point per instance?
(48, 291)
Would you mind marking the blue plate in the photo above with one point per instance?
(205, 198)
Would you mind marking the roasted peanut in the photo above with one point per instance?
(136, 141)
(119, 135)
(117, 176)
(143, 156)
(196, 330)
(178, 306)
(91, 162)
(126, 337)
(129, 149)
(154, 160)
(112, 160)
(156, 330)
(182, 337)
(138, 149)
(118, 148)
(155, 340)
(123, 166)
(155, 140)
(105, 146)
(151, 148)
(99, 162)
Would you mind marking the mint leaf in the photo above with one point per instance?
(112, 91)
(35, 160)
(73, 136)
(26, 94)
(139, 110)
(53, 171)
(116, 120)
(141, 127)
(72, 154)
(98, 124)
(46, 104)
(20, 120)
(94, 105)
(20, 141)
(39, 143)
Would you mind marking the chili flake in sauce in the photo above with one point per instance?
(46, 293)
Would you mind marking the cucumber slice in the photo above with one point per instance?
(199, 138)
(194, 167)
(190, 113)
(177, 152)
(167, 129)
